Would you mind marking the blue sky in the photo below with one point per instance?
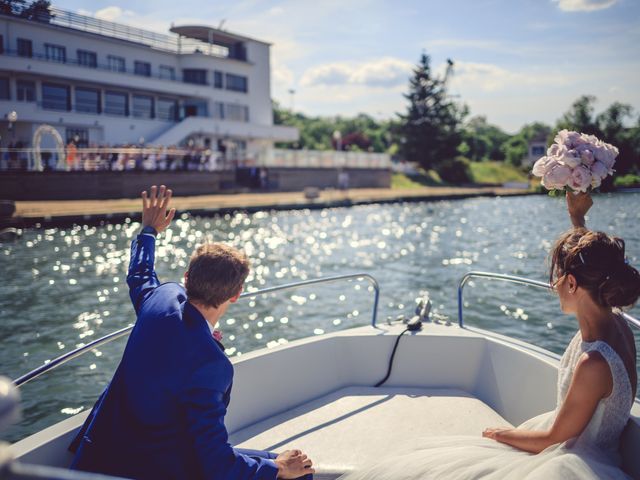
(517, 61)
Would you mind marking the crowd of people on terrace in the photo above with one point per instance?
(17, 156)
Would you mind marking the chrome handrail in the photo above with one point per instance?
(634, 322)
(62, 359)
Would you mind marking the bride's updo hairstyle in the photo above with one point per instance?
(598, 263)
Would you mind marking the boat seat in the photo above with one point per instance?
(356, 426)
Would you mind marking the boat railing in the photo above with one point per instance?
(66, 357)
(633, 322)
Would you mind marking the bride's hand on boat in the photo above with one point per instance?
(492, 433)
(293, 464)
(578, 205)
(154, 208)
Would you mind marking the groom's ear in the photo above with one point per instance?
(235, 298)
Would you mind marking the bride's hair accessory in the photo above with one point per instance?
(575, 161)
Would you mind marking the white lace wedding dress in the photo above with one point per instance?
(592, 455)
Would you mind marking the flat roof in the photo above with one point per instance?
(208, 34)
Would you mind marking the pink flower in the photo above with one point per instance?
(580, 179)
(587, 157)
(571, 159)
(217, 334)
(599, 170)
(561, 137)
(540, 167)
(556, 150)
(556, 177)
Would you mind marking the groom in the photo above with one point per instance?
(162, 415)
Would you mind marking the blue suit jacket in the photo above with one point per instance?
(162, 415)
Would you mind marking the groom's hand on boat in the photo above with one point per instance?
(578, 205)
(293, 464)
(154, 208)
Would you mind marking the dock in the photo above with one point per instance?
(47, 213)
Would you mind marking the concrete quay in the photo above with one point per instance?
(47, 213)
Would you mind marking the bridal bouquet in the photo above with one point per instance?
(576, 161)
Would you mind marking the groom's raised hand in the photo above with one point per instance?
(154, 208)
(293, 464)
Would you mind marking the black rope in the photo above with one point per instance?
(393, 354)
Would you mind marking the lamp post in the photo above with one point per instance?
(337, 138)
(292, 92)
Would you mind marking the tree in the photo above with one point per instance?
(11, 7)
(38, 10)
(609, 126)
(580, 116)
(516, 148)
(483, 140)
(430, 129)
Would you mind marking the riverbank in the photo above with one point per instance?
(68, 212)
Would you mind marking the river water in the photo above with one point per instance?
(65, 287)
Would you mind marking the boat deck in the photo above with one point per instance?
(356, 426)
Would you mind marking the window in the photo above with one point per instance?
(537, 150)
(55, 97)
(195, 108)
(167, 109)
(168, 73)
(87, 58)
(87, 100)
(237, 113)
(26, 91)
(80, 136)
(115, 64)
(237, 83)
(217, 79)
(25, 47)
(55, 53)
(194, 75)
(142, 106)
(116, 103)
(218, 110)
(5, 94)
(142, 68)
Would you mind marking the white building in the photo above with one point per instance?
(105, 83)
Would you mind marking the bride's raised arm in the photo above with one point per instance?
(578, 205)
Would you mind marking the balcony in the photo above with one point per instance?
(222, 45)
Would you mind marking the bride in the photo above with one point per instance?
(597, 381)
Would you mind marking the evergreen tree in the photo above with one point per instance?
(11, 7)
(431, 127)
(38, 10)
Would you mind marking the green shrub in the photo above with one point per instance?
(626, 181)
(456, 170)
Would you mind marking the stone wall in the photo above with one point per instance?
(129, 184)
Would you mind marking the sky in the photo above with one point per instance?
(515, 61)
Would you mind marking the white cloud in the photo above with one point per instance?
(111, 14)
(383, 72)
(584, 5)
(491, 78)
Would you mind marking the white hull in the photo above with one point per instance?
(316, 394)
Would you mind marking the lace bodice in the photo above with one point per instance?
(612, 412)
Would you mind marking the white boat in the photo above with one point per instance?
(445, 379)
